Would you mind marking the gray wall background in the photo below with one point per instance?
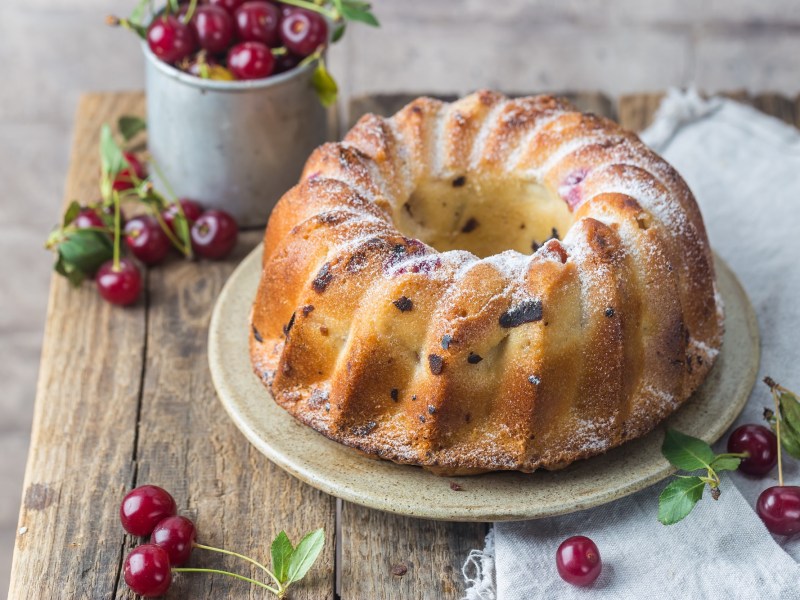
(52, 50)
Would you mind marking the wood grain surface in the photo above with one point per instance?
(125, 398)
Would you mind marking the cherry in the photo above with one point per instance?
(147, 240)
(108, 210)
(257, 21)
(177, 536)
(170, 38)
(143, 508)
(213, 28)
(214, 234)
(578, 560)
(228, 5)
(286, 62)
(124, 179)
(303, 31)
(119, 286)
(88, 217)
(761, 445)
(779, 508)
(147, 570)
(251, 60)
(191, 210)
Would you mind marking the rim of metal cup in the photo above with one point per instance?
(224, 86)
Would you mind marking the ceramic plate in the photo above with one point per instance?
(408, 490)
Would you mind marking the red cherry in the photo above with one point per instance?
(213, 28)
(147, 240)
(119, 286)
(578, 560)
(286, 62)
(228, 5)
(177, 536)
(124, 179)
(191, 210)
(88, 217)
(214, 234)
(251, 60)
(147, 570)
(170, 38)
(779, 508)
(760, 443)
(303, 31)
(143, 508)
(257, 21)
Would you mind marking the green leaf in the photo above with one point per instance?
(678, 499)
(130, 126)
(726, 463)
(85, 250)
(137, 14)
(686, 452)
(74, 275)
(281, 550)
(359, 12)
(324, 85)
(111, 157)
(181, 226)
(72, 211)
(790, 443)
(790, 423)
(305, 555)
(338, 33)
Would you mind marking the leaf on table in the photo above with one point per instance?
(726, 463)
(111, 157)
(74, 275)
(324, 85)
(181, 226)
(281, 551)
(678, 499)
(86, 250)
(686, 452)
(130, 126)
(72, 211)
(305, 554)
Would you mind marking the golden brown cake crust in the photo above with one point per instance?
(376, 323)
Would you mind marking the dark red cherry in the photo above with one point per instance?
(177, 536)
(125, 178)
(228, 5)
(760, 443)
(170, 38)
(257, 21)
(251, 60)
(146, 240)
(286, 62)
(144, 507)
(147, 570)
(87, 218)
(213, 27)
(119, 285)
(578, 560)
(303, 31)
(214, 234)
(191, 210)
(779, 508)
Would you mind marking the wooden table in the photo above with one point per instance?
(125, 398)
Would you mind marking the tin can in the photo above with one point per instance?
(233, 145)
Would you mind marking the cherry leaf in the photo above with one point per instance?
(83, 250)
(338, 33)
(686, 452)
(324, 85)
(72, 211)
(304, 556)
(726, 463)
(111, 157)
(679, 498)
(281, 551)
(130, 126)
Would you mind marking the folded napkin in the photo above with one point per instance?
(744, 169)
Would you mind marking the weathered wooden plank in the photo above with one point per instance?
(186, 442)
(69, 542)
(778, 106)
(636, 111)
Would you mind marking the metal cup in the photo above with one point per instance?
(233, 145)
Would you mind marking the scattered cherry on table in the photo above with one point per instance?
(303, 31)
(213, 28)
(120, 285)
(779, 508)
(87, 218)
(214, 234)
(146, 240)
(124, 179)
(191, 210)
(578, 560)
(170, 39)
(177, 536)
(147, 570)
(144, 507)
(759, 443)
(251, 60)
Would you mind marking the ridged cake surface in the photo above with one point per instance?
(487, 284)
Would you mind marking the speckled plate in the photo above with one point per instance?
(408, 490)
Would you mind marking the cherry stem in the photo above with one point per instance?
(334, 16)
(778, 420)
(117, 232)
(280, 51)
(243, 557)
(190, 12)
(229, 574)
(168, 232)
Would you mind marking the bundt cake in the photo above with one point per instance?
(489, 284)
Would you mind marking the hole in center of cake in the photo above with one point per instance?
(483, 216)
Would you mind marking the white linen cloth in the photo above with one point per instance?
(744, 169)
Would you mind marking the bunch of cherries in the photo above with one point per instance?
(233, 39)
